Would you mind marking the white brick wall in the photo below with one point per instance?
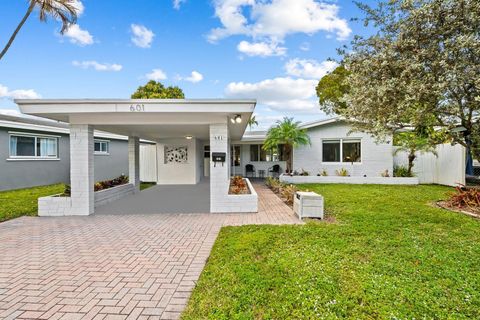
(81, 169)
(376, 158)
(220, 200)
(134, 162)
(349, 180)
(108, 195)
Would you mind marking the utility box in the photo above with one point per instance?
(308, 205)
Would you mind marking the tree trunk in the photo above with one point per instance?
(411, 158)
(10, 41)
(288, 155)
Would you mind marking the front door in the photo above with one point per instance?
(235, 156)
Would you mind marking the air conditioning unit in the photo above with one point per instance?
(308, 205)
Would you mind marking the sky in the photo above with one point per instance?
(274, 51)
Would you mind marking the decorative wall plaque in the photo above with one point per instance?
(175, 154)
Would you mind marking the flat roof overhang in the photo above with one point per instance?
(146, 118)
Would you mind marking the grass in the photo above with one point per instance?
(389, 254)
(23, 202)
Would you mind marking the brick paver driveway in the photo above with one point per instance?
(112, 266)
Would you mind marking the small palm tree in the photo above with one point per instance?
(65, 10)
(252, 122)
(411, 143)
(289, 134)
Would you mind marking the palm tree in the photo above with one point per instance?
(65, 10)
(289, 134)
(252, 122)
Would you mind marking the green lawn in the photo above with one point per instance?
(23, 202)
(388, 255)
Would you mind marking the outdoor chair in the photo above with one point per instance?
(250, 169)
(274, 170)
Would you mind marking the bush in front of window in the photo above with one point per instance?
(342, 172)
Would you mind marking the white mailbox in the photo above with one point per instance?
(308, 205)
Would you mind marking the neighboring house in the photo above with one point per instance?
(36, 152)
(332, 148)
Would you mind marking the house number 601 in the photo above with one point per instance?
(137, 108)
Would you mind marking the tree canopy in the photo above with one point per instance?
(289, 134)
(64, 10)
(421, 68)
(331, 90)
(156, 90)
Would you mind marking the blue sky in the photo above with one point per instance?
(271, 50)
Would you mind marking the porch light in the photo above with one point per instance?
(189, 137)
(238, 118)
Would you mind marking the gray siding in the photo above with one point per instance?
(16, 174)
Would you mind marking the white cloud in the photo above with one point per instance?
(142, 36)
(194, 77)
(98, 66)
(262, 49)
(77, 4)
(310, 69)
(275, 19)
(284, 94)
(305, 46)
(157, 75)
(178, 3)
(18, 94)
(78, 36)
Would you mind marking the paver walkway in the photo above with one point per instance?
(113, 266)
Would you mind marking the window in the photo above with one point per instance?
(331, 151)
(102, 147)
(32, 146)
(341, 150)
(235, 156)
(258, 154)
(351, 151)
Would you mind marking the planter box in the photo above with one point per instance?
(56, 206)
(239, 202)
(111, 194)
(348, 180)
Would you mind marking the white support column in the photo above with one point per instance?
(219, 179)
(81, 169)
(134, 162)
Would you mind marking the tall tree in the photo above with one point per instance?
(331, 90)
(65, 10)
(156, 90)
(421, 67)
(289, 134)
(252, 122)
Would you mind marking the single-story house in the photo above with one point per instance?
(194, 140)
(36, 152)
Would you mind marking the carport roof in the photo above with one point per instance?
(148, 118)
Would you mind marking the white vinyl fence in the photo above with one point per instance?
(148, 163)
(448, 168)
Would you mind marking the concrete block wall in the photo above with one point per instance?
(108, 195)
(349, 180)
(134, 162)
(81, 169)
(54, 206)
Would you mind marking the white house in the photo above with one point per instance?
(333, 147)
(197, 143)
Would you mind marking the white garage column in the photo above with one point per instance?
(219, 179)
(134, 162)
(81, 169)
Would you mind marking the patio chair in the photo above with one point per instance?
(250, 169)
(274, 170)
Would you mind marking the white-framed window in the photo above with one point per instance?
(102, 147)
(257, 153)
(33, 146)
(342, 150)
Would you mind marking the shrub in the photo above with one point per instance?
(288, 193)
(342, 172)
(323, 173)
(401, 171)
(304, 173)
(269, 181)
(385, 174)
(466, 198)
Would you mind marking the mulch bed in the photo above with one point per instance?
(445, 205)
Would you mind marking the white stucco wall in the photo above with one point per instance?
(376, 158)
(177, 173)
